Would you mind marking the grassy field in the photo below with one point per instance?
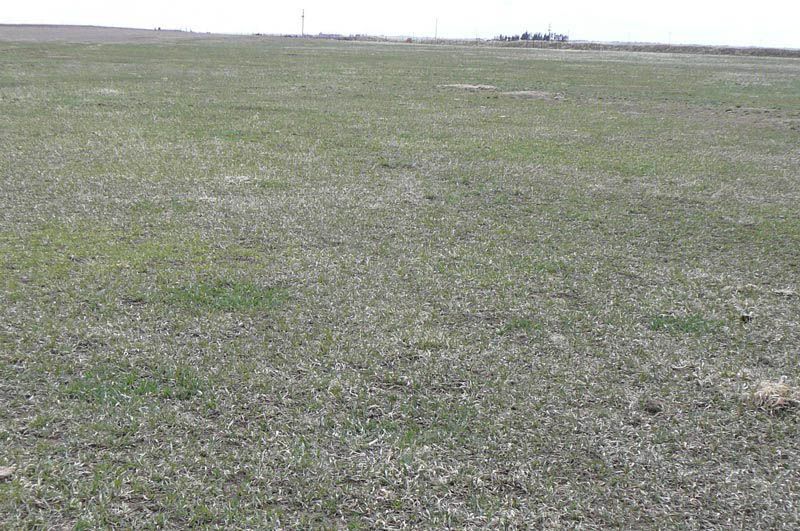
(264, 282)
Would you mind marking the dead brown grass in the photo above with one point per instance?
(776, 396)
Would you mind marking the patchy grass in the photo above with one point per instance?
(266, 283)
(518, 324)
(105, 386)
(689, 324)
(229, 296)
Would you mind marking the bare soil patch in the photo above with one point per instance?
(534, 95)
(467, 86)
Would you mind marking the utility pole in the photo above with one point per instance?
(303, 23)
(436, 30)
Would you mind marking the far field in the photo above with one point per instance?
(261, 282)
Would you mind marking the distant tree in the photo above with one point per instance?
(538, 36)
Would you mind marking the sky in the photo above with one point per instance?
(774, 23)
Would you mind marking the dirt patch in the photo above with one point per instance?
(466, 86)
(534, 95)
(6, 472)
(520, 94)
(237, 179)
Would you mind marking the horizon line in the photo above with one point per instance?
(386, 36)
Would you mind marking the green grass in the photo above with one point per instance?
(257, 283)
(229, 296)
(690, 324)
(518, 324)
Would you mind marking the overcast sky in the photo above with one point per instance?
(732, 22)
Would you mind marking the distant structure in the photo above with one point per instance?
(302, 22)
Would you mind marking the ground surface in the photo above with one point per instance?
(41, 33)
(253, 283)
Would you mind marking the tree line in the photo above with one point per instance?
(528, 36)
